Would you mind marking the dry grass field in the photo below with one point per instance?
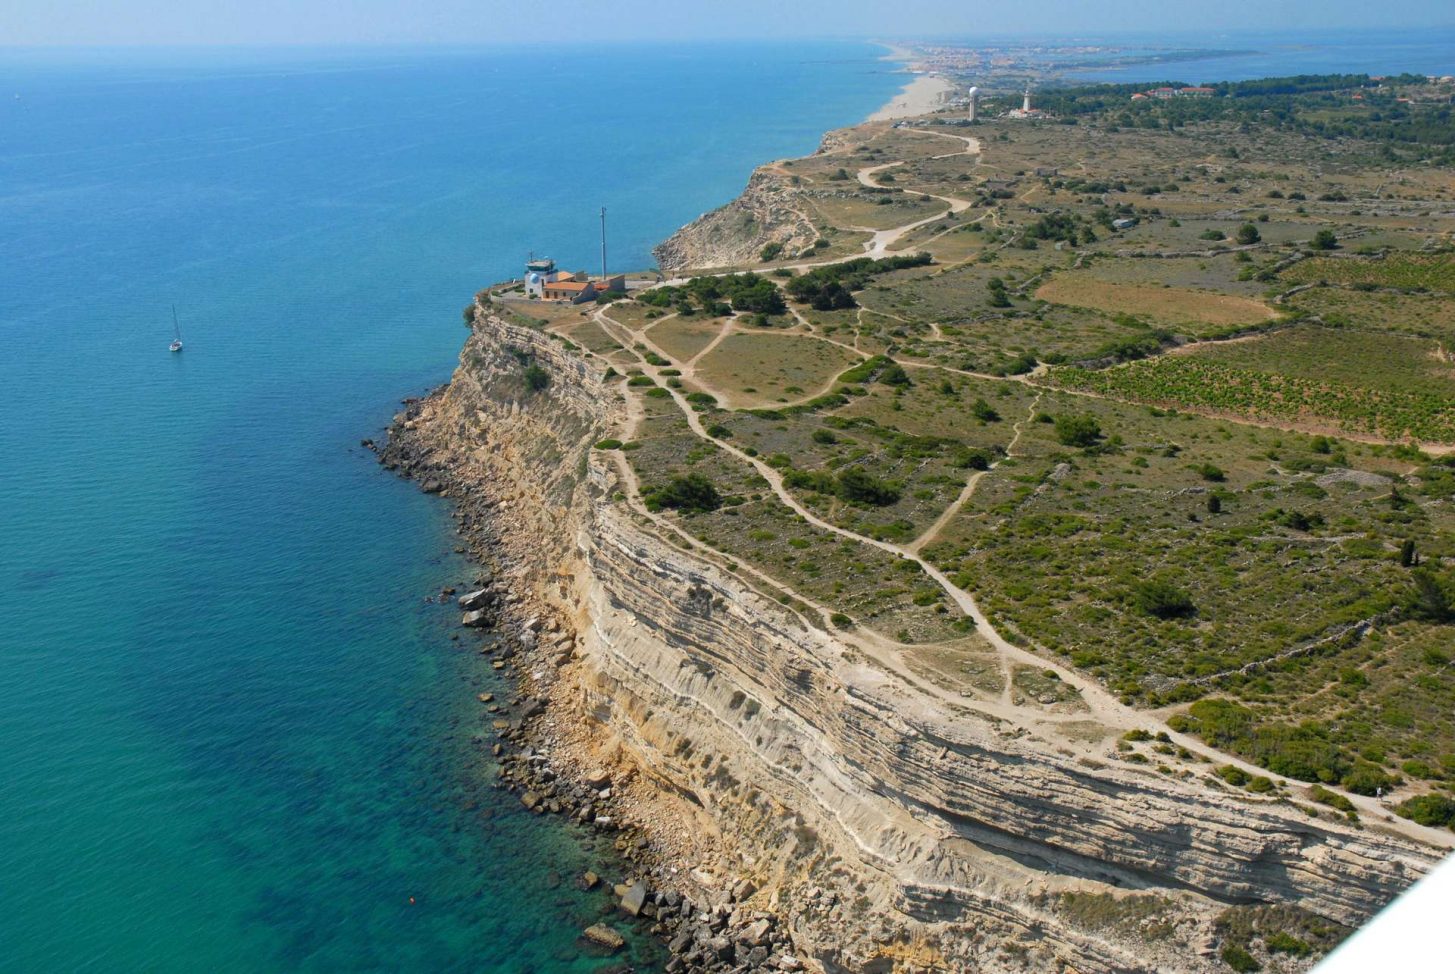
(683, 338)
(751, 369)
(1173, 305)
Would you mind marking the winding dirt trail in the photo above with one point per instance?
(879, 244)
(1101, 705)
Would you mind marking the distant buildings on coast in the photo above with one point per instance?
(1166, 94)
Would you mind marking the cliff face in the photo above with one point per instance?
(891, 829)
(735, 234)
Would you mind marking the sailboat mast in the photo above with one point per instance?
(176, 328)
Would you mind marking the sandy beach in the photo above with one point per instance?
(922, 95)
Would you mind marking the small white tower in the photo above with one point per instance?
(1026, 105)
(974, 103)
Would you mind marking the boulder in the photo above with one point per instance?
(756, 933)
(603, 936)
(721, 948)
(476, 599)
(475, 619)
(635, 898)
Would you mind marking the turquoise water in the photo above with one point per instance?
(233, 737)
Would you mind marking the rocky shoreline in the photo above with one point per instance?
(715, 737)
(707, 920)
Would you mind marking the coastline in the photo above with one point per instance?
(923, 94)
(675, 877)
(598, 691)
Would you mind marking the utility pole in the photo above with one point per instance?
(603, 243)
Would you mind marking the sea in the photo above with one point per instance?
(235, 734)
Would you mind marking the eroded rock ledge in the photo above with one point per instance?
(887, 829)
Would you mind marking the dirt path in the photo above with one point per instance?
(949, 513)
(1102, 706)
(879, 245)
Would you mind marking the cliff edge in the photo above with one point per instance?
(884, 825)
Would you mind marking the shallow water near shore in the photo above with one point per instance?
(233, 735)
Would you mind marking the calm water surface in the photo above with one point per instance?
(232, 735)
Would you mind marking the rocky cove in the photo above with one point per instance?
(784, 802)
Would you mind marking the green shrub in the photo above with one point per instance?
(984, 412)
(1082, 431)
(1233, 775)
(536, 378)
(893, 374)
(608, 444)
(1239, 959)
(1430, 597)
(1367, 779)
(859, 487)
(693, 493)
(1303, 752)
(1160, 598)
(1333, 799)
(1434, 810)
(1286, 943)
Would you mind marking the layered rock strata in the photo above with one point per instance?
(887, 828)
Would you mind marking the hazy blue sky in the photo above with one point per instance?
(477, 21)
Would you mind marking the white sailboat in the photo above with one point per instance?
(176, 345)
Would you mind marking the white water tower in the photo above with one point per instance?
(974, 103)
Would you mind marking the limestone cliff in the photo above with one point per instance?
(891, 829)
(735, 234)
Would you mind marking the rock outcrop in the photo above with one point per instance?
(887, 828)
(736, 234)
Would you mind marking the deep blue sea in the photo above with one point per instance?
(233, 736)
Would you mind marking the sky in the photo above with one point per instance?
(324, 22)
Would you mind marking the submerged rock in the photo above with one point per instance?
(603, 936)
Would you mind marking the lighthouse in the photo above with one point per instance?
(1026, 105)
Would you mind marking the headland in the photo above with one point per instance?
(814, 563)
